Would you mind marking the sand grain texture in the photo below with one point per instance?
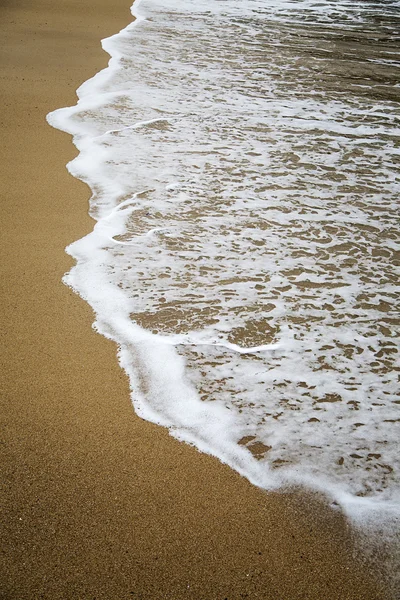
(97, 503)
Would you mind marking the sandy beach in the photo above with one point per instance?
(98, 503)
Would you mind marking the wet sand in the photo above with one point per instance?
(97, 503)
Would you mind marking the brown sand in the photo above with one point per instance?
(97, 503)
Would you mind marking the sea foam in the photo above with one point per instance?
(244, 177)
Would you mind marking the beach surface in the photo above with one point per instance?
(98, 503)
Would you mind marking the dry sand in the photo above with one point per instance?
(97, 503)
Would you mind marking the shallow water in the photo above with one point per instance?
(244, 160)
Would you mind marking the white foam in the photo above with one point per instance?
(237, 256)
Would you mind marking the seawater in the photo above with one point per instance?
(243, 159)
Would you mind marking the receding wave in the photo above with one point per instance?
(244, 164)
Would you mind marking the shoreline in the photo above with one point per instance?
(99, 503)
